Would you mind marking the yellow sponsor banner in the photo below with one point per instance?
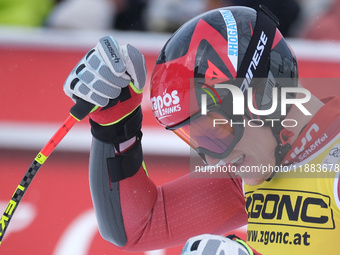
(289, 208)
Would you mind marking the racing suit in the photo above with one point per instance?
(286, 213)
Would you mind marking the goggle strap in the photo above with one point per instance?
(266, 23)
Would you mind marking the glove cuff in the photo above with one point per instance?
(120, 132)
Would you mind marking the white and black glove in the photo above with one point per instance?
(216, 245)
(109, 76)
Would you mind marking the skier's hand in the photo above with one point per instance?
(216, 245)
(111, 77)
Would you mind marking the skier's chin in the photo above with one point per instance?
(253, 181)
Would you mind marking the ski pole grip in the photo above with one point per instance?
(81, 109)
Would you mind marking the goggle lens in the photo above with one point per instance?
(211, 132)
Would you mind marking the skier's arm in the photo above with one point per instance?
(131, 211)
(111, 77)
(168, 215)
(136, 215)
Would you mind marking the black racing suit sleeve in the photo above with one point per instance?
(109, 166)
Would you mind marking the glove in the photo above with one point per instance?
(113, 78)
(110, 77)
(215, 245)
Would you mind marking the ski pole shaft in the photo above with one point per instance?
(77, 113)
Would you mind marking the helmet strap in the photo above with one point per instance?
(266, 24)
(282, 136)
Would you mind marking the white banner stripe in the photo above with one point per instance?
(23, 135)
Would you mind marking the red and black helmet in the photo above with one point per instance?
(213, 48)
(233, 46)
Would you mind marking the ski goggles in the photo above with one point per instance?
(213, 134)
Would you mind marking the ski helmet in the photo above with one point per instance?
(234, 45)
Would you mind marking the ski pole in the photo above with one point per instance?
(77, 113)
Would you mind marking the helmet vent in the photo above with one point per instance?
(195, 245)
(268, 90)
